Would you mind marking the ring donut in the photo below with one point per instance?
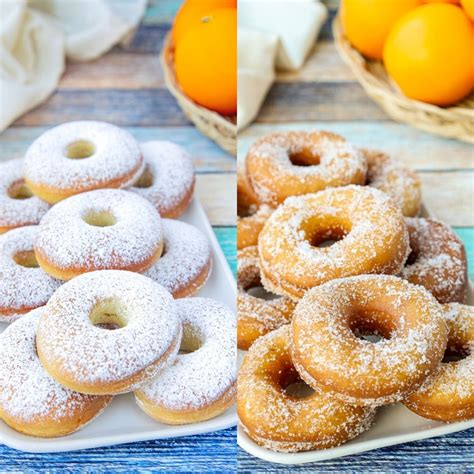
(81, 156)
(98, 361)
(256, 316)
(246, 198)
(18, 206)
(31, 402)
(281, 422)
(186, 262)
(437, 260)
(395, 179)
(330, 357)
(106, 229)
(199, 385)
(449, 394)
(368, 227)
(286, 164)
(168, 179)
(23, 285)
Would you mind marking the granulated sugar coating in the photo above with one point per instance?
(80, 354)
(281, 422)
(22, 288)
(438, 260)
(368, 227)
(30, 400)
(330, 357)
(323, 160)
(20, 211)
(201, 378)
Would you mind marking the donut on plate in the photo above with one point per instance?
(81, 156)
(449, 394)
(106, 229)
(292, 163)
(18, 206)
(395, 179)
(256, 316)
(290, 422)
(31, 402)
(168, 179)
(23, 285)
(96, 360)
(367, 226)
(437, 260)
(186, 262)
(201, 384)
(330, 356)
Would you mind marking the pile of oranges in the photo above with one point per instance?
(427, 46)
(205, 41)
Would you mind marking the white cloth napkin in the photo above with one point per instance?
(272, 33)
(37, 35)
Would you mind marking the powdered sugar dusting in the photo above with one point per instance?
(198, 379)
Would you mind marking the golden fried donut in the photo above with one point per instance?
(31, 402)
(246, 198)
(18, 206)
(168, 179)
(81, 156)
(256, 316)
(368, 227)
(201, 384)
(292, 163)
(186, 262)
(331, 357)
(437, 260)
(395, 179)
(449, 394)
(106, 229)
(23, 285)
(280, 421)
(98, 361)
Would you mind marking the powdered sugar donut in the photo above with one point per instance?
(94, 360)
(395, 179)
(368, 227)
(249, 226)
(280, 421)
(186, 261)
(81, 156)
(293, 163)
(168, 179)
(449, 394)
(330, 357)
(437, 260)
(256, 316)
(202, 384)
(18, 206)
(31, 402)
(106, 229)
(23, 285)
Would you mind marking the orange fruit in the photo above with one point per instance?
(468, 6)
(192, 11)
(206, 61)
(442, 1)
(428, 54)
(366, 23)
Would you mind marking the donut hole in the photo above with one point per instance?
(19, 190)
(100, 218)
(292, 385)
(255, 288)
(26, 259)
(304, 157)
(327, 237)
(246, 211)
(456, 352)
(145, 180)
(372, 326)
(192, 340)
(80, 149)
(108, 315)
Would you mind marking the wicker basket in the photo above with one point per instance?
(455, 122)
(223, 130)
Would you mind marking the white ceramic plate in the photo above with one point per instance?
(123, 421)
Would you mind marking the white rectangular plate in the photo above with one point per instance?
(123, 421)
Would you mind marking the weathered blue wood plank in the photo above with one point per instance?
(467, 236)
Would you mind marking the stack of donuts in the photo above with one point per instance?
(348, 299)
(97, 279)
